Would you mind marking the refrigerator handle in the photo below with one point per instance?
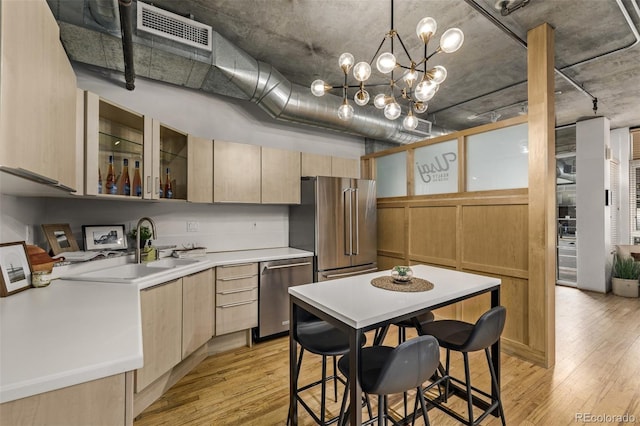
(357, 224)
(348, 232)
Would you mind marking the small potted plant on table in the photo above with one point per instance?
(626, 272)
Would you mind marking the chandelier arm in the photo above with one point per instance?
(403, 47)
(379, 47)
(436, 51)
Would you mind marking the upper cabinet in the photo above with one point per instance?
(115, 141)
(325, 165)
(280, 176)
(236, 173)
(37, 94)
(199, 172)
(169, 153)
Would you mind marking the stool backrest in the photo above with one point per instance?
(408, 366)
(487, 330)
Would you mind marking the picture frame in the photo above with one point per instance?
(60, 238)
(16, 268)
(104, 237)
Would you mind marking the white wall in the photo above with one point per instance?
(221, 227)
(593, 217)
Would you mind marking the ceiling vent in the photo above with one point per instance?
(173, 27)
(423, 129)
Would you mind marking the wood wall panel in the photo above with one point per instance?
(391, 230)
(432, 232)
(513, 296)
(388, 262)
(495, 235)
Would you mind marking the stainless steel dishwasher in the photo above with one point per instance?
(273, 298)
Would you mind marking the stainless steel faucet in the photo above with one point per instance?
(153, 235)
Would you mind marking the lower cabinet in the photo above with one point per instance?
(161, 309)
(176, 320)
(98, 402)
(236, 298)
(197, 310)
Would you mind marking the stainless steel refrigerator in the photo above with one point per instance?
(336, 219)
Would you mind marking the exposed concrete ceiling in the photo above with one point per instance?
(302, 39)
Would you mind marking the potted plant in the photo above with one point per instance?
(145, 234)
(626, 272)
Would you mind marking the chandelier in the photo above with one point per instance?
(416, 86)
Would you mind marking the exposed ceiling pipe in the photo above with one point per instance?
(126, 29)
(511, 34)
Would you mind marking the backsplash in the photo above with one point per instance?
(220, 227)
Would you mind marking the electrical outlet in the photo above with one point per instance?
(193, 226)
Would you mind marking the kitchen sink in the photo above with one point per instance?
(171, 262)
(132, 273)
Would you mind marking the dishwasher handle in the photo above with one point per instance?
(287, 265)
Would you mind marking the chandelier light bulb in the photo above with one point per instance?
(362, 71)
(318, 87)
(346, 61)
(361, 97)
(420, 107)
(380, 100)
(451, 40)
(425, 90)
(438, 74)
(410, 77)
(410, 122)
(392, 110)
(386, 63)
(345, 112)
(426, 28)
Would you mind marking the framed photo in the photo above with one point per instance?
(60, 238)
(16, 268)
(104, 237)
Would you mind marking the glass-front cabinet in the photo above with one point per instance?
(132, 156)
(115, 149)
(566, 219)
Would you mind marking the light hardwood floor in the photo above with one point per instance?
(597, 373)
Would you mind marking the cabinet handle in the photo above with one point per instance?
(148, 184)
(348, 274)
(236, 265)
(231, 305)
(237, 278)
(237, 290)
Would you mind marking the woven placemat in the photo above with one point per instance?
(416, 284)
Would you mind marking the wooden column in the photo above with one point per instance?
(542, 186)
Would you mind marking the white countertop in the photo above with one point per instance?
(357, 303)
(76, 331)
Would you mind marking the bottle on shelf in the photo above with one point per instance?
(124, 185)
(112, 187)
(137, 181)
(168, 188)
(99, 181)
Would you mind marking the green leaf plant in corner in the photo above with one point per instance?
(626, 268)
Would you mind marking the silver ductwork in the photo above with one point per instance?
(227, 71)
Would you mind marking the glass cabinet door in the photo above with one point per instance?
(169, 165)
(114, 149)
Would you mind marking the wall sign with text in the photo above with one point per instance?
(436, 168)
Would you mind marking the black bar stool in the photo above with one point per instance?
(386, 370)
(321, 338)
(465, 337)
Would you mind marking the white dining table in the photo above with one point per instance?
(355, 306)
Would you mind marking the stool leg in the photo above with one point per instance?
(382, 419)
(494, 380)
(423, 405)
(296, 382)
(323, 387)
(446, 372)
(335, 379)
(467, 377)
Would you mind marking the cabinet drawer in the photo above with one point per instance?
(226, 299)
(237, 271)
(239, 317)
(236, 285)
